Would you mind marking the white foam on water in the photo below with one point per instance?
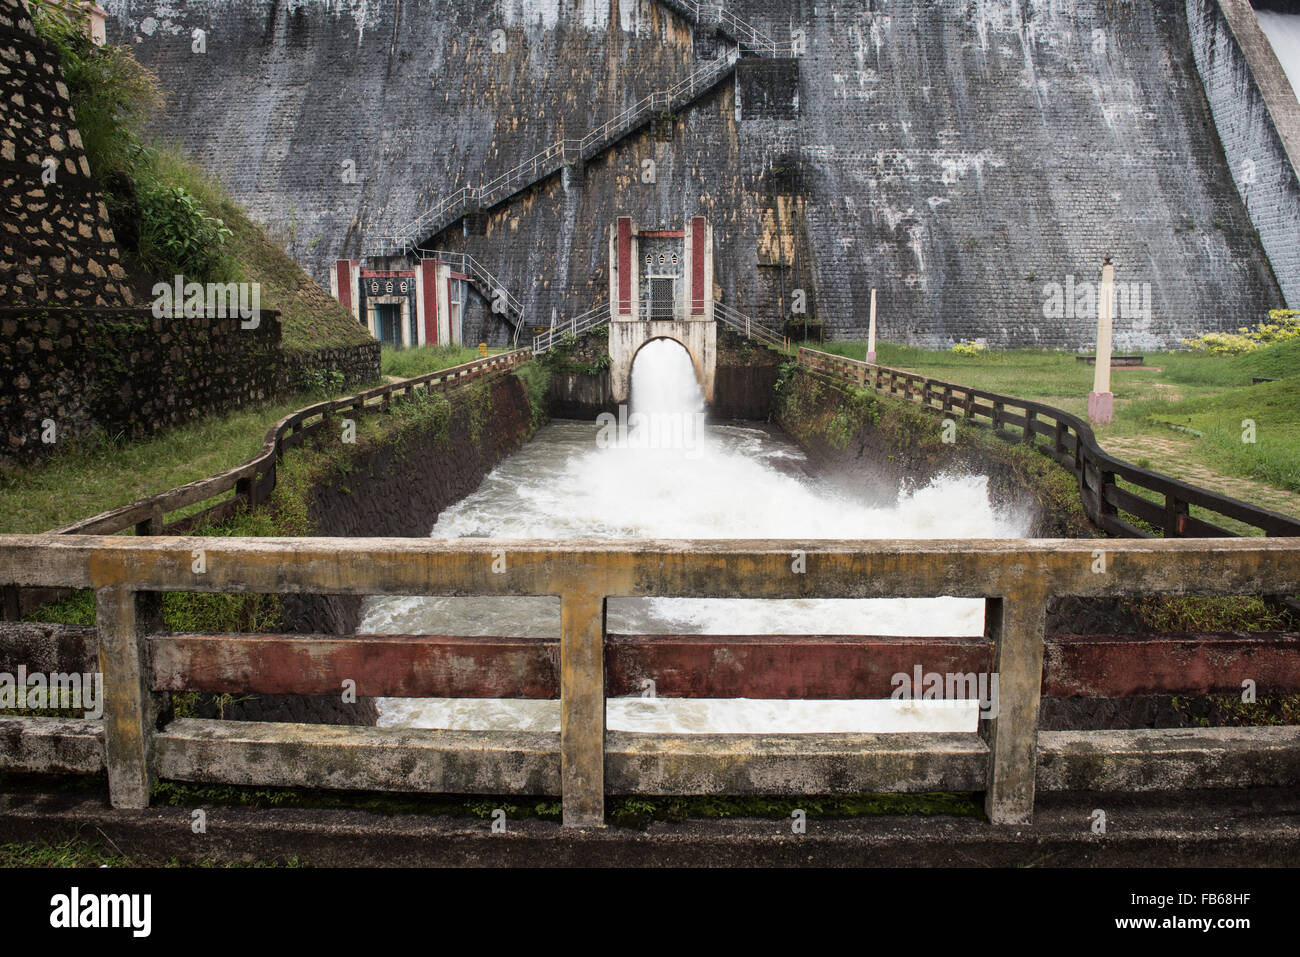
(736, 482)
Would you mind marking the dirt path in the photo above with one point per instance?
(1175, 456)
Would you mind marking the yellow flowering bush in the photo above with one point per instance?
(1283, 324)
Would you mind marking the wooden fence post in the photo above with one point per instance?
(153, 525)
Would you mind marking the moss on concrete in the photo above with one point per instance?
(619, 811)
(891, 442)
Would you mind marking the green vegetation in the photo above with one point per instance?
(620, 811)
(75, 848)
(1228, 710)
(857, 409)
(215, 613)
(1209, 613)
(169, 216)
(968, 348)
(84, 479)
(162, 227)
(587, 354)
(321, 461)
(805, 405)
(536, 378)
(1206, 393)
(1284, 326)
(409, 363)
(310, 319)
(1224, 422)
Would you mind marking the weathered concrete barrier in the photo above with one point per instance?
(1007, 758)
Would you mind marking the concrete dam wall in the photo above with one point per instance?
(974, 160)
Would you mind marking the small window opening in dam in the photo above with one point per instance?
(595, 480)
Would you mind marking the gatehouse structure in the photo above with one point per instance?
(661, 287)
(405, 306)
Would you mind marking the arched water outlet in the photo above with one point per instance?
(627, 339)
(663, 380)
(738, 482)
(666, 408)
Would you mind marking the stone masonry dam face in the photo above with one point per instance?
(964, 157)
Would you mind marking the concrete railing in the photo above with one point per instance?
(750, 328)
(1070, 441)
(1007, 757)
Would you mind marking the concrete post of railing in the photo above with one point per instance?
(947, 398)
(1058, 443)
(582, 708)
(1030, 418)
(997, 416)
(123, 618)
(1015, 624)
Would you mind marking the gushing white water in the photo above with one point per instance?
(738, 482)
(663, 380)
(1283, 32)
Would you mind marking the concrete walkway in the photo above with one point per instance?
(1175, 456)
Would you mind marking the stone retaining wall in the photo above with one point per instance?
(70, 373)
(57, 246)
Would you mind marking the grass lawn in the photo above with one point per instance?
(1193, 391)
(408, 363)
(93, 477)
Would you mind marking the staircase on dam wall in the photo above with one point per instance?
(568, 152)
(712, 16)
(471, 200)
(500, 299)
